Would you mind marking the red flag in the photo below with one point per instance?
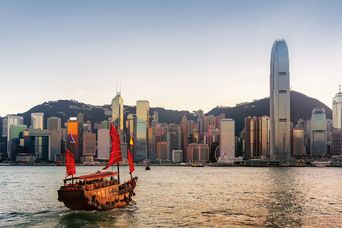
(130, 162)
(69, 162)
(115, 154)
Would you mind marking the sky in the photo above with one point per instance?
(178, 54)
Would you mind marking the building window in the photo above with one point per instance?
(282, 91)
(282, 73)
(282, 120)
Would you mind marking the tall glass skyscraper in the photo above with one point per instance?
(117, 111)
(280, 148)
(142, 123)
(318, 133)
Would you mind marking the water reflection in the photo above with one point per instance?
(285, 202)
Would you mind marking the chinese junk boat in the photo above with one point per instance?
(101, 190)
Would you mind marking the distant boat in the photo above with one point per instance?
(197, 164)
(101, 190)
(336, 164)
(147, 165)
(321, 163)
(284, 164)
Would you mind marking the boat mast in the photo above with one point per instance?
(118, 167)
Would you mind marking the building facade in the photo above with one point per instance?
(298, 149)
(53, 123)
(336, 142)
(37, 120)
(103, 144)
(280, 102)
(227, 140)
(118, 112)
(177, 156)
(142, 124)
(318, 139)
(251, 138)
(174, 138)
(264, 136)
(8, 121)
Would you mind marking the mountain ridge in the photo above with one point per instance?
(301, 107)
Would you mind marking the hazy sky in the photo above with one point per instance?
(176, 54)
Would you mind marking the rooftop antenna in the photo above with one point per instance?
(339, 88)
(120, 89)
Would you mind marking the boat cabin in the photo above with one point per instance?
(91, 181)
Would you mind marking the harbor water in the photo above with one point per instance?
(182, 196)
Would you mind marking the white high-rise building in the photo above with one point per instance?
(280, 146)
(227, 140)
(117, 111)
(337, 110)
(37, 120)
(337, 124)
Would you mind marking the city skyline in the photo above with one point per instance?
(80, 51)
(272, 139)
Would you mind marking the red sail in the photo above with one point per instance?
(69, 162)
(130, 162)
(115, 154)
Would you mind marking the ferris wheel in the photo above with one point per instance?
(217, 152)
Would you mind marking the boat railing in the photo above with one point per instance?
(89, 186)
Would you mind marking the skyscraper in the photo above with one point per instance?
(130, 130)
(185, 135)
(151, 143)
(264, 136)
(88, 146)
(143, 111)
(103, 144)
(251, 138)
(174, 138)
(53, 123)
(8, 121)
(117, 111)
(37, 120)
(318, 133)
(337, 109)
(162, 151)
(73, 134)
(227, 140)
(337, 124)
(142, 123)
(280, 148)
(298, 150)
(54, 128)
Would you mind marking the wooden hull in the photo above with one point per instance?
(99, 198)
